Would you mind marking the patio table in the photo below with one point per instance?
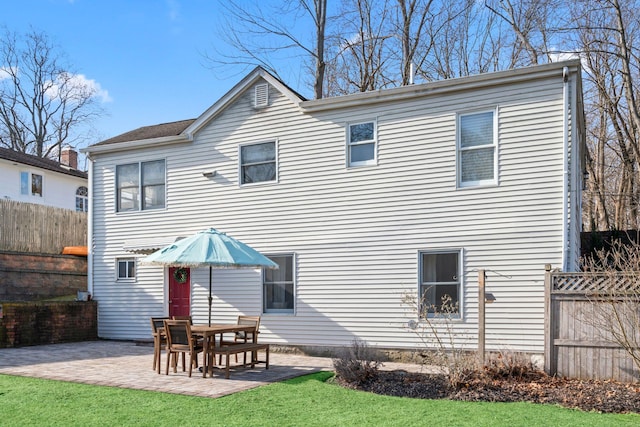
(209, 332)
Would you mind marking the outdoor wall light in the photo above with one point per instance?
(209, 174)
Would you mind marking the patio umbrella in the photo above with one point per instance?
(209, 248)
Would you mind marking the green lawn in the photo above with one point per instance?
(303, 401)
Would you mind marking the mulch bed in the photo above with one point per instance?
(535, 387)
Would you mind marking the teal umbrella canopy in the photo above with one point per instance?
(209, 248)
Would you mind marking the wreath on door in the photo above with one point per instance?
(180, 275)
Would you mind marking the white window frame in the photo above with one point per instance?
(460, 282)
(128, 261)
(82, 198)
(241, 165)
(460, 149)
(284, 311)
(141, 187)
(28, 191)
(374, 141)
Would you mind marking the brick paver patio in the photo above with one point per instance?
(128, 365)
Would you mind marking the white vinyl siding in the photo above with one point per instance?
(355, 233)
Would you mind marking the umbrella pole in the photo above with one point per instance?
(210, 297)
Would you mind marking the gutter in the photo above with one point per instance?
(439, 87)
(132, 145)
(565, 164)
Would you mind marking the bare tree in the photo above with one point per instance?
(414, 16)
(468, 39)
(614, 309)
(606, 32)
(359, 47)
(42, 103)
(259, 34)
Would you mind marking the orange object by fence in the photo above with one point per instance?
(75, 250)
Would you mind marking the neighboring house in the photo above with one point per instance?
(32, 179)
(361, 199)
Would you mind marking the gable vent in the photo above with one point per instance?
(261, 96)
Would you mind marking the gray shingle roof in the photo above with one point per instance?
(149, 132)
(39, 162)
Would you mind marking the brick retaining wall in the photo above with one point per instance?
(36, 323)
(30, 277)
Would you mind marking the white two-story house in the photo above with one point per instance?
(33, 179)
(362, 200)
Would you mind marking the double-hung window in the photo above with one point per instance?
(279, 285)
(126, 269)
(141, 186)
(30, 184)
(361, 143)
(477, 149)
(440, 284)
(258, 163)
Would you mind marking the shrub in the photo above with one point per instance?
(442, 342)
(508, 364)
(357, 364)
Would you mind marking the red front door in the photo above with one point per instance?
(179, 292)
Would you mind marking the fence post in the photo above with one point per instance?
(549, 354)
(481, 312)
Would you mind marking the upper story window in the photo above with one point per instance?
(140, 186)
(440, 284)
(361, 143)
(477, 149)
(30, 184)
(258, 163)
(279, 285)
(126, 268)
(82, 199)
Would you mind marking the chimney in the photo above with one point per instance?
(69, 157)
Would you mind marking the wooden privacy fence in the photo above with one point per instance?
(28, 227)
(587, 315)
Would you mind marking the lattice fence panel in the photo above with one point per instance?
(590, 283)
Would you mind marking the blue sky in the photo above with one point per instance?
(147, 56)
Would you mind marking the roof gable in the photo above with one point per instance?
(232, 95)
(39, 162)
(183, 130)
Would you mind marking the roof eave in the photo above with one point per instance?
(438, 87)
(133, 145)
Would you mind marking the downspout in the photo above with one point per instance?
(90, 230)
(565, 165)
